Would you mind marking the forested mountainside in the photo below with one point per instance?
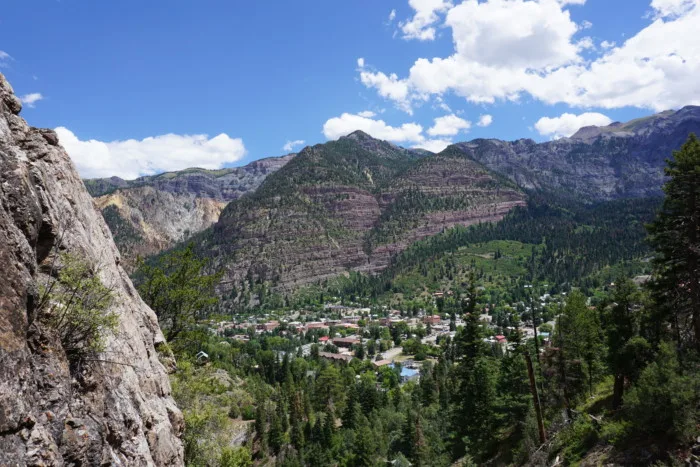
(599, 163)
(348, 205)
(150, 214)
(80, 378)
(549, 241)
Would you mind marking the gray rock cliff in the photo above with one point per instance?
(150, 214)
(120, 410)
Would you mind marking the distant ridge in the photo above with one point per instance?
(621, 160)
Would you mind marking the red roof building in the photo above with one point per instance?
(432, 320)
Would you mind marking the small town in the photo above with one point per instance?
(388, 337)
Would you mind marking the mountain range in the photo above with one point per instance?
(621, 160)
(355, 203)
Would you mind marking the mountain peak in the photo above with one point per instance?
(358, 135)
(639, 126)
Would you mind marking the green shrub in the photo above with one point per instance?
(663, 403)
(248, 412)
(235, 457)
(76, 304)
(614, 432)
(577, 439)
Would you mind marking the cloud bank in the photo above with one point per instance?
(133, 158)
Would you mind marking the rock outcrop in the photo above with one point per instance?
(621, 160)
(118, 410)
(150, 214)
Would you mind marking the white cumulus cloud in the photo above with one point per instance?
(485, 120)
(31, 99)
(291, 145)
(336, 127)
(392, 15)
(449, 125)
(567, 124)
(390, 87)
(506, 48)
(672, 8)
(408, 134)
(433, 145)
(132, 158)
(421, 26)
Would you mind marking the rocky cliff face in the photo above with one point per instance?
(118, 410)
(347, 205)
(598, 163)
(150, 214)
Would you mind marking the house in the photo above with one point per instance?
(346, 342)
(336, 357)
(323, 339)
(269, 326)
(486, 318)
(502, 342)
(432, 320)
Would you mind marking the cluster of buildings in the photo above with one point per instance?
(348, 323)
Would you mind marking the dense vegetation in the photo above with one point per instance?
(615, 380)
(124, 233)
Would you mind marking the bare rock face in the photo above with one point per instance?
(145, 220)
(121, 412)
(150, 214)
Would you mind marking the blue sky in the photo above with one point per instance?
(262, 74)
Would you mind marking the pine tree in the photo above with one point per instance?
(276, 435)
(178, 289)
(582, 338)
(675, 235)
(626, 348)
